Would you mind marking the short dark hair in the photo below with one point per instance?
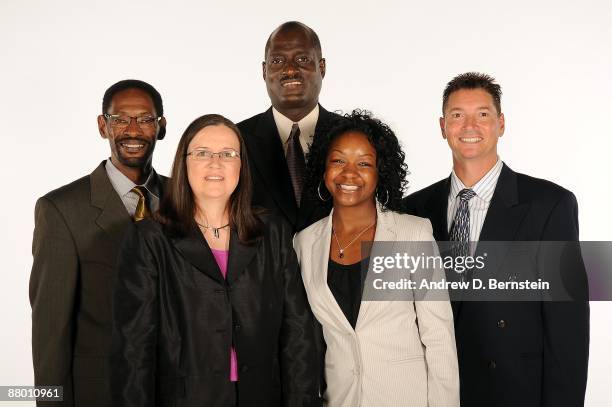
(473, 80)
(296, 25)
(177, 208)
(133, 84)
(392, 169)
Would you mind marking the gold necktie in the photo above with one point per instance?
(142, 208)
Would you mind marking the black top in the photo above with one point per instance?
(346, 284)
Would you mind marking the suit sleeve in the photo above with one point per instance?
(53, 284)
(566, 324)
(435, 321)
(135, 322)
(298, 352)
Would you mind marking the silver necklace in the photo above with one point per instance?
(214, 229)
(340, 248)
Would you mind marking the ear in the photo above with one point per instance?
(263, 70)
(161, 133)
(322, 67)
(502, 124)
(442, 124)
(102, 127)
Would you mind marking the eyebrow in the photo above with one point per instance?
(460, 109)
(342, 152)
(124, 113)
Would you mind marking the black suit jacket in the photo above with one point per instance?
(518, 353)
(175, 318)
(272, 187)
(79, 228)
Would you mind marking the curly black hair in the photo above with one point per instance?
(392, 169)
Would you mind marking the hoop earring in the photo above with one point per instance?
(319, 193)
(386, 200)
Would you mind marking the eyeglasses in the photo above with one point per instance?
(121, 121)
(201, 154)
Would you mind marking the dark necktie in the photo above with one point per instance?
(296, 162)
(460, 229)
(142, 208)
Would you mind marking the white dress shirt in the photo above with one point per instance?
(479, 204)
(123, 186)
(307, 128)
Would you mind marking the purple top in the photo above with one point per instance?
(221, 257)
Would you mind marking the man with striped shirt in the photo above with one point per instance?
(510, 353)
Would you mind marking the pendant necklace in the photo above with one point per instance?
(340, 248)
(214, 229)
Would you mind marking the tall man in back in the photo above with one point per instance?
(78, 230)
(278, 139)
(510, 354)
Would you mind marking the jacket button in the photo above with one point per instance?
(492, 364)
(501, 323)
(244, 368)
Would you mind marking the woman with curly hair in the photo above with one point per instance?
(377, 353)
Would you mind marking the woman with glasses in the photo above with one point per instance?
(380, 348)
(209, 306)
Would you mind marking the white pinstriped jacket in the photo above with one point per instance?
(401, 353)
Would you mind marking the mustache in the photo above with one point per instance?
(285, 78)
(138, 140)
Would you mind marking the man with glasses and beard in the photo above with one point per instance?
(78, 231)
(279, 139)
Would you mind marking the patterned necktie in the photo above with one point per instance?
(296, 162)
(142, 208)
(460, 229)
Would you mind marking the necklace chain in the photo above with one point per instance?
(214, 229)
(340, 248)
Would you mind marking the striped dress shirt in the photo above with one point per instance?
(479, 204)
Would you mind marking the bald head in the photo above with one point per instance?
(296, 26)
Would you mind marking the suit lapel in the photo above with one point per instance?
(384, 233)
(309, 203)
(321, 246)
(271, 164)
(195, 250)
(113, 218)
(437, 207)
(503, 219)
(240, 255)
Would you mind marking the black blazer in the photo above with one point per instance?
(272, 188)
(519, 353)
(79, 228)
(175, 318)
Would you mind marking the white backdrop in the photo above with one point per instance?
(553, 60)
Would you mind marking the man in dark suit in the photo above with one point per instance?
(78, 230)
(510, 353)
(278, 139)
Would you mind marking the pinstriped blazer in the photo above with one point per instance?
(401, 353)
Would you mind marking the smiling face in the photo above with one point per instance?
(132, 145)
(350, 170)
(214, 178)
(293, 72)
(472, 125)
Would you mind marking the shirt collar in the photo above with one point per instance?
(484, 188)
(123, 185)
(307, 124)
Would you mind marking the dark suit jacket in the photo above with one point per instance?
(519, 353)
(78, 231)
(272, 188)
(175, 318)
